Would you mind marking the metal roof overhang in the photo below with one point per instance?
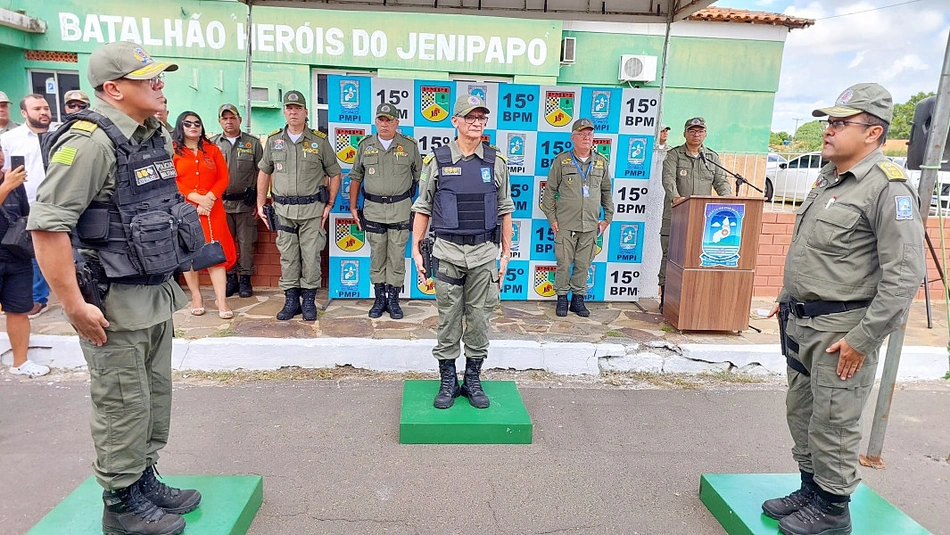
(655, 11)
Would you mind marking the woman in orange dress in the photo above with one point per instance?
(202, 179)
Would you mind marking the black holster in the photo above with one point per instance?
(426, 249)
(250, 196)
(274, 222)
(91, 279)
(789, 345)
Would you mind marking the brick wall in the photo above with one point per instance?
(44, 55)
(777, 234)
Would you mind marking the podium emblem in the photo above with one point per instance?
(426, 286)
(349, 273)
(348, 236)
(558, 107)
(347, 140)
(722, 235)
(350, 95)
(516, 143)
(435, 102)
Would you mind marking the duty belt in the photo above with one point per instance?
(143, 280)
(233, 196)
(811, 309)
(305, 199)
(387, 199)
(464, 239)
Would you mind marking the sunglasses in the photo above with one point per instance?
(76, 106)
(191, 124)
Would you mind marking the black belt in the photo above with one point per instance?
(305, 199)
(382, 228)
(810, 309)
(466, 239)
(386, 199)
(143, 280)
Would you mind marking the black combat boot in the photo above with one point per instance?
(232, 286)
(578, 307)
(127, 512)
(170, 499)
(779, 508)
(308, 306)
(472, 387)
(245, 289)
(449, 385)
(818, 517)
(561, 308)
(379, 305)
(395, 311)
(291, 304)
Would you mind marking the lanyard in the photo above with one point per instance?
(590, 162)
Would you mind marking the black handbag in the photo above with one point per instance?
(210, 254)
(17, 240)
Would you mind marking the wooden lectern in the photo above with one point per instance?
(710, 269)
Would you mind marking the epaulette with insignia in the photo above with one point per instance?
(410, 138)
(318, 133)
(498, 153)
(84, 126)
(892, 170)
(275, 132)
(428, 158)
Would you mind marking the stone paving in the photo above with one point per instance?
(514, 320)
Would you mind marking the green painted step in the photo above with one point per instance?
(228, 506)
(506, 421)
(736, 502)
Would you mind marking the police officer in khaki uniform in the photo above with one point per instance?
(5, 122)
(578, 187)
(464, 190)
(686, 173)
(853, 267)
(300, 170)
(75, 100)
(89, 191)
(242, 151)
(387, 167)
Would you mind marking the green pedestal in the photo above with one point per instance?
(228, 506)
(736, 502)
(506, 421)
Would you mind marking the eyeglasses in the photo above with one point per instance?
(838, 124)
(191, 124)
(75, 105)
(473, 119)
(696, 131)
(584, 133)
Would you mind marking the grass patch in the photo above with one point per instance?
(662, 380)
(667, 329)
(179, 333)
(614, 334)
(728, 376)
(222, 333)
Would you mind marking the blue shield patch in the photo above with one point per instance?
(904, 207)
(486, 175)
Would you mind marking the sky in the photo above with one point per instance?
(900, 47)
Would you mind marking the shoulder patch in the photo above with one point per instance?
(85, 126)
(318, 133)
(892, 170)
(64, 156)
(274, 133)
(428, 158)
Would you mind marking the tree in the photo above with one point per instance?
(904, 115)
(777, 139)
(808, 137)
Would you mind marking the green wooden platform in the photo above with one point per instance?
(506, 421)
(736, 502)
(228, 506)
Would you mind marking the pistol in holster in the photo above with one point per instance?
(91, 279)
(271, 215)
(426, 249)
(250, 196)
(789, 345)
(783, 311)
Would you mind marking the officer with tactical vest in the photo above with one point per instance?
(110, 183)
(242, 151)
(300, 170)
(387, 167)
(464, 190)
(578, 188)
(686, 172)
(854, 265)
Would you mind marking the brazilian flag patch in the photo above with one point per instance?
(64, 156)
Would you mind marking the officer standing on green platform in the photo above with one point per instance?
(854, 265)
(464, 189)
(387, 167)
(686, 172)
(242, 151)
(300, 170)
(103, 167)
(578, 187)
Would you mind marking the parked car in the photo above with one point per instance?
(793, 179)
(942, 185)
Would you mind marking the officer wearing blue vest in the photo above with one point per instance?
(464, 190)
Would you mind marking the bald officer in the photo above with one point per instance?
(242, 151)
(578, 188)
(464, 190)
(854, 265)
(104, 167)
(387, 168)
(686, 173)
(300, 170)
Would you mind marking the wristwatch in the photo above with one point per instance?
(506, 255)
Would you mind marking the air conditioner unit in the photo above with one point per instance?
(637, 68)
(568, 48)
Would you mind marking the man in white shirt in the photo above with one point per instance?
(24, 141)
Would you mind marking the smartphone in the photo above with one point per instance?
(17, 161)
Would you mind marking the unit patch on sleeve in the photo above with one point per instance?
(64, 156)
(905, 209)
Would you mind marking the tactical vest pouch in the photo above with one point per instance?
(153, 236)
(93, 225)
(190, 234)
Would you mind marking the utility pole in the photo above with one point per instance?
(795, 132)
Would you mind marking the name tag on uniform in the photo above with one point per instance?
(486, 175)
(904, 208)
(585, 189)
(278, 144)
(452, 171)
